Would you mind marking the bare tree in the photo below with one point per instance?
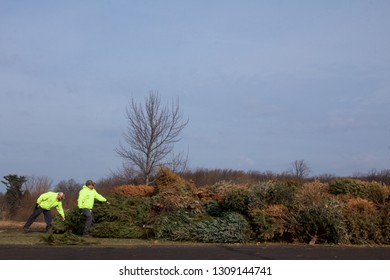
(71, 190)
(300, 169)
(152, 132)
(177, 162)
(37, 185)
(3, 207)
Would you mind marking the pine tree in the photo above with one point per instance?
(14, 193)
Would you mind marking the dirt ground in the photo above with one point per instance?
(153, 251)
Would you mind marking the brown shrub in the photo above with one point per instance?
(166, 177)
(373, 191)
(218, 191)
(312, 193)
(363, 221)
(174, 193)
(271, 223)
(385, 214)
(133, 191)
(318, 215)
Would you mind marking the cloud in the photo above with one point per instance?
(262, 84)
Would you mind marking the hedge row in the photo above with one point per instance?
(344, 211)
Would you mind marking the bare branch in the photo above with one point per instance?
(151, 133)
(300, 169)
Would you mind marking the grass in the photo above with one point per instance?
(13, 237)
(11, 233)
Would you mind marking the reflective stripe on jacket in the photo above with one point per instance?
(87, 197)
(49, 200)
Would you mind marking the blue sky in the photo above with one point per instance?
(263, 83)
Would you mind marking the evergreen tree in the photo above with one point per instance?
(14, 193)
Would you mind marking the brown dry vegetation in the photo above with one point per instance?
(337, 211)
(16, 225)
(133, 191)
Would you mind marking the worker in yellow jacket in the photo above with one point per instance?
(45, 202)
(85, 202)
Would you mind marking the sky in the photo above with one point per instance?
(263, 83)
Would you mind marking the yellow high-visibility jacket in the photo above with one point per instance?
(87, 197)
(49, 200)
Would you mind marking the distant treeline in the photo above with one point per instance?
(18, 206)
(204, 177)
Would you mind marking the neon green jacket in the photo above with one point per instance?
(49, 200)
(87, 197)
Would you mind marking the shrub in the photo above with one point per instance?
(271, 223)
(320, 223)
(318, 215)
(258, 194)
(117, 229)
(230, 228)
(67, 238)
(342, 211)
(236, 199)
(214, 208)
(123, 218)
(312, 193)
(271, 192)
(362, 221)
(166, 177)
(173, 226)
(230, 197)
(183, 226)
(356, 188)
(124, 209)
(171, 202)
(174, 193)
(215, 192)
(283, 192)
(74, 222)
(133, 191)
(385, 215)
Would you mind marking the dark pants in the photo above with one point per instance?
(38, 211)
(89, 221)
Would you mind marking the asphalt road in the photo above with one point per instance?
(219, 252)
